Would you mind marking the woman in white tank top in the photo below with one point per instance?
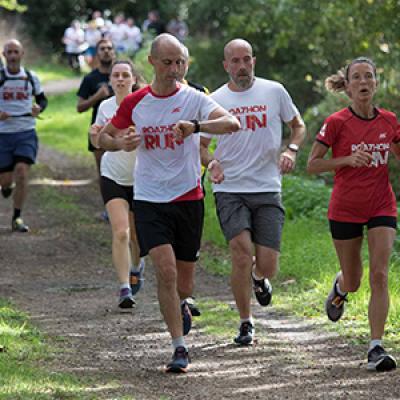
(117, 170)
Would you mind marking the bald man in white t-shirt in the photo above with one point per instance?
(168, 200)
(246, 169)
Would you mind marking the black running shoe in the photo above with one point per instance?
(6, 191)
(334, 304)
(379, 360)
(186, 318)
(194, 310)
(180, 361)
(262, 290)
(246, 332)
(18, 225)
(126, 299)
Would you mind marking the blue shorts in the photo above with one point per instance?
(17, 147)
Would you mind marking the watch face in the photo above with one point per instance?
(293, 147)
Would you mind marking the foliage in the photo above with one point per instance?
(294, 42)
(12, 5)
(305, 198)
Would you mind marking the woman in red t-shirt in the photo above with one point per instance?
(361, 137)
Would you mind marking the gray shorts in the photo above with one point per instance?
(261, 213)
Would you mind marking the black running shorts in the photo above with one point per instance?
(112, 190)
(179, 224)
(352, 230)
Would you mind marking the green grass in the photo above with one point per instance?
(22, 348)
(63, 128)
(52, 72)
(217, 318)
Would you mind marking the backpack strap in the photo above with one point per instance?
(29, 79)
(3, 77)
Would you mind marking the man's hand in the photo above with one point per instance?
(103, 92)
(3, 115)
(216, 173)
(130, 141)
(287, 161)
(94, 134)
(35, 110)
(183, 129)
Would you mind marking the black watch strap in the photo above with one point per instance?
(196, 125)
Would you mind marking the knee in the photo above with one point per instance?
(241, 256)
(167, 276)
(352, 284)
(121, 235)
(20, 174)
(379, 280)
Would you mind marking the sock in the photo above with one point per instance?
(17, 213)
(256, 277)
(250, 319)
(340, 291)
(179, 342)
(125, 286)
(375, 342)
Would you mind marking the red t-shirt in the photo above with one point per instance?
(360, 194)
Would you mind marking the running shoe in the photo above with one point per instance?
(194, 309)
(136, 279)
(126, 299)
(6, 191)
(246, 332)
(180, 361)
(334, 304)
(104, 216)
(17, 225)
(262, 290)
(379, 360)
(186, 318)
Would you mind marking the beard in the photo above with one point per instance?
(106, 63)
(243, 81)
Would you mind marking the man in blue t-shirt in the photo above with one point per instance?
(21, 101)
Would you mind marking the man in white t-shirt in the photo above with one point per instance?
(247, 168)
(168, 200)
(21, 101)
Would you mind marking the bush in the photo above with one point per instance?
(305, 198)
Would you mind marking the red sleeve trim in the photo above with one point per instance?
(123, 118)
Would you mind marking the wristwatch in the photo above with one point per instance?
(293, 147)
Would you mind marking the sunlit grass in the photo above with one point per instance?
(22, 346)
(63, 128)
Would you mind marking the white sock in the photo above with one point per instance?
(375, 342)
(256, 277)
(125, 286)
(340, 291)
(179, 342)
(250, 319)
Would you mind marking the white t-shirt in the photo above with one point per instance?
(74, 40)
(115, 165)
(134, 38)
(250, 157)
(165, 169)
(16, 98)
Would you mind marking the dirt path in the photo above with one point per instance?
(61, 275)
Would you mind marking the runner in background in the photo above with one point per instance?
(116, 182)
(21, 101)
(94, 89)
